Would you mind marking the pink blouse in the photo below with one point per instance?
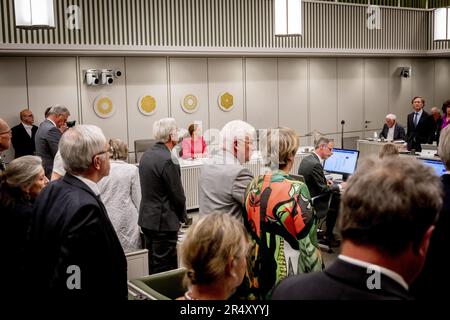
(191, 148)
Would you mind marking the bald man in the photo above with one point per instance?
(23, 135)
(5, 141)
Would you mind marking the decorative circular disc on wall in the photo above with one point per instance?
(104, 107)
(226, 101)
(189, 103)
(147, 105)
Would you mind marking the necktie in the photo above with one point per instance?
(416, 118)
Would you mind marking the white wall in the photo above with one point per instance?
(302, 93)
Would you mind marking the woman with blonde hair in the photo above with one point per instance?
(279, 218)
(388, 150)
(121, 193)
(214, 253)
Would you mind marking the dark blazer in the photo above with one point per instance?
(47, 140)
(436, 130)
(433, 280)
(71, 228)
(340, 281)
(421, 133)
(399, 132)
(163, 203)
(23, 144)
(311, 169)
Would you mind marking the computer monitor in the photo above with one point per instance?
(437, 165)
(342, 161)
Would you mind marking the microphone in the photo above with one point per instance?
(342, 134)
(342, 122)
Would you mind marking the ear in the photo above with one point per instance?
(97, 162)
(235, 146)
(231, 268)
(423, 246)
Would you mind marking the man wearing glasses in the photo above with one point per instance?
(75, 250)
(5, 141)
(311, 168)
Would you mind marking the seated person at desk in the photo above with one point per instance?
(311, 168)
(392, 130)
(195, 146)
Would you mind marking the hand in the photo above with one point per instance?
(330, 182)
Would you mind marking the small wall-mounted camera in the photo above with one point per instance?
(92, 78)
(117, 73)
(107, 77)
(405, 72)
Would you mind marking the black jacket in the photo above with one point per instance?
(421, 133)
(71, 228)
(163, 203)
(340, 281)
(23, 144)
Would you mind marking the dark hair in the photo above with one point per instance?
(445, 105)
(423, 100)
(47, 111)
(192, 129)
(390, 204)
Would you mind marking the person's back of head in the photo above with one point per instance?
(82, 147)
(212, 252)
(278, 147)
(119, 149)
(233, 135)
(444, 147)
(388, 150)
(390, 207)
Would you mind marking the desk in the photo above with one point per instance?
(190, 171)
(367, 148)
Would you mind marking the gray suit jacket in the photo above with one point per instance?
(47, 140)
(222, 185)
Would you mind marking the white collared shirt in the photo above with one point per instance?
(389, 273)
(28, 129)
(390, 135)
(320, 159)
(52, 122)
(91, 184)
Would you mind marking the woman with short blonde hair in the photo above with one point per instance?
(214, 253)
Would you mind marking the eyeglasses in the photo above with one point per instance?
(6, 132)
(109, 150)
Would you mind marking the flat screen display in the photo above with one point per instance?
(437, 166)
(342, 161)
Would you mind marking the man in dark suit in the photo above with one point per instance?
(387, 218)
(75, 250)
(433, 280)
(23, 135)
(436, 125)
(163, 203)
(311, 168)
(48, 136)
(5, 141)
(420, 125)
(392, 130)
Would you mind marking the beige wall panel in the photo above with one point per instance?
(116, 125)
(261, 92)
(423, 81)
(145, 76)
(189, 76)
(52, 80)
(13, 93)
(400, 90)
(350, 93)
(442, 76)
(293, 94)
(376, 93)
(225, 75)
(323, 100)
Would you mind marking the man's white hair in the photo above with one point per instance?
(391, 116)
(79, 145)
(235, 130)
(163, 128)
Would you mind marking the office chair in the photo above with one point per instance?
(140, 146)
(321, 205)
(167, 285)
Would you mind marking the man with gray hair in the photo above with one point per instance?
(75, 250)
(223, 179)
(392, 130)
(5, 141)
(387, 217)
(163, 203)
(311, 168)
(48, 136)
